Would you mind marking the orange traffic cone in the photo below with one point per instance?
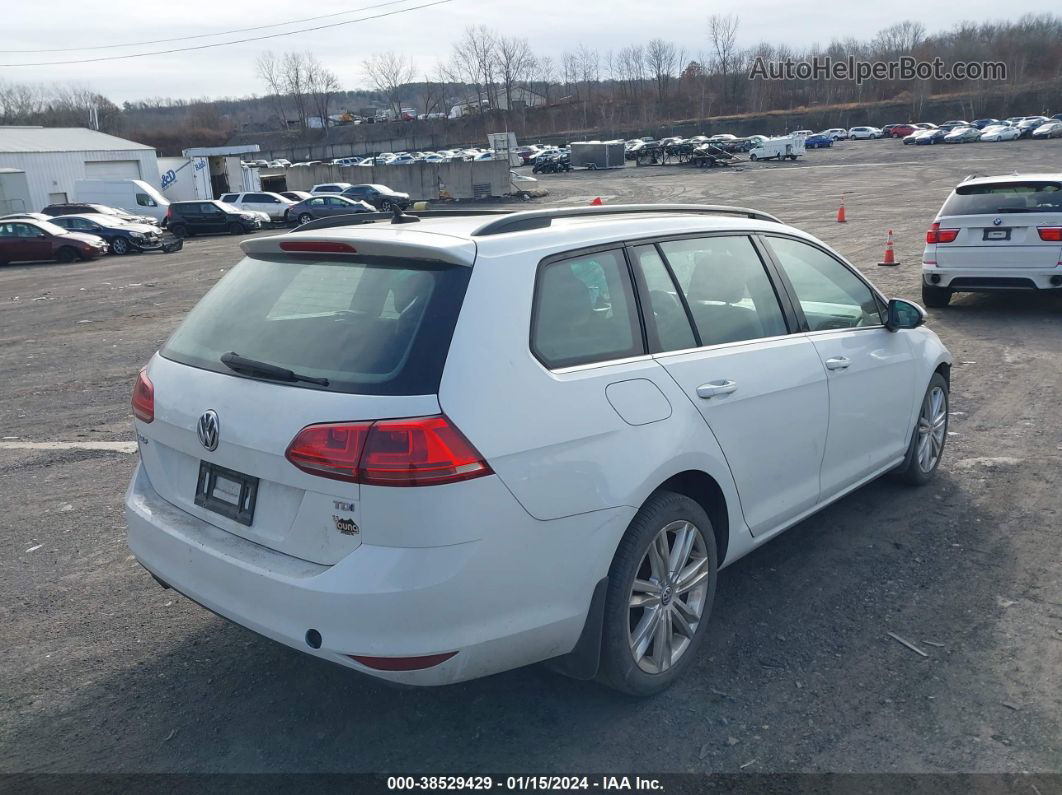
(840, 213)
(890, 257)
(596, 202)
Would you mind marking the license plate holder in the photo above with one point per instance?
(997, 234)
(227, 492)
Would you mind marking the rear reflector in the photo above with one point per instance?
(143, 398)
(318, 246)
(937, 235)
(421, 451)
(403, 663)
(1052, 234)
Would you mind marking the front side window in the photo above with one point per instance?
(726, 288)
(584, 311)
(831, 296)
(145, 201)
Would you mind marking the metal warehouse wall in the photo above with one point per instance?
(462, 180)
(56, 172)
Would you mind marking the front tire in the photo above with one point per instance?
(929, 436)
(660, 592)
(935, 297)
(66, 255)
(120, 246)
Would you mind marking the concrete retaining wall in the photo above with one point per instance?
(422, 181)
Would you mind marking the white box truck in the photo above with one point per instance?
(785, 146)
(132, 195)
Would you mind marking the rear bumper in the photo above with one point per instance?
(518, 595)
(993, 279)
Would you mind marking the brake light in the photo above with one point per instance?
(318, 246)
(937, 235)
(1052, 234)
(421, 451)
(143, 397)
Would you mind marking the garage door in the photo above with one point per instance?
(112, 169)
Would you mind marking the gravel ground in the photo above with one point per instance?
(101, 670)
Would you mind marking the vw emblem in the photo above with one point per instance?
(997, 221)
(208, 429)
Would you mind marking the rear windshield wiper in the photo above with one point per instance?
(242, 364)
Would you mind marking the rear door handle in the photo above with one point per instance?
(714, 388)
(838, 363)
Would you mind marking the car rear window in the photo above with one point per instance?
(1005, 197)
(378, 326)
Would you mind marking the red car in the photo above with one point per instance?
(902, 130)
(34, 241)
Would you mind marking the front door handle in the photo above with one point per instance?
(716, 388)
(838, 363)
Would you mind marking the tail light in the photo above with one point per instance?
(1052, 234)
(144, 398)
(403, 663)
(421, 451)
(937, 235)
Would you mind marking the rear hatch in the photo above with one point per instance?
(367, 330)
(1002, 225)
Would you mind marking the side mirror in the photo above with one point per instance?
(904, 314)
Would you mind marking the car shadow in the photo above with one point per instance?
(795, 652)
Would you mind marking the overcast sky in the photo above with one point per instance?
(425, 34)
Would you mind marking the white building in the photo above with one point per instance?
(54, 158)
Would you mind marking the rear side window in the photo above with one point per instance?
(726, 288)
(584, 311)
(1005, 197)
(229, 197)
(378, 326)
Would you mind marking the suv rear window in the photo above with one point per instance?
(377, 326)
(1005, 197)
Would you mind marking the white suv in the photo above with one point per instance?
(273, 205)
(433, 451)
(995, 233)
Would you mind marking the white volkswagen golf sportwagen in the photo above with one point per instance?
(995, 233)
(443, 447)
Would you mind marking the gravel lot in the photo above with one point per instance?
(101, 670)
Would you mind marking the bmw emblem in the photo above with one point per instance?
(997, 221)
(208, 429)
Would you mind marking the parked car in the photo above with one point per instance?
(345, 451)
(296, 195)
(888, 128)
(26, 217)
(37, 241)
(330, 187)
(995, 233)
(1029, 124)
(1000, 132)
(274, 205)
(122, 237)
(133, 197)
(206, 217)
(925, 125)
(913, 137)
(864, 133)
(963, 135)
(955, 123)
(81, 208)
(379, 197)
(981, 124)
(324, 206)
(900, 130)
(1051, 129)
(818, 141)
(932, 136)
(837, 133)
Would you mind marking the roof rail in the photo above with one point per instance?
(540, 219)
(355, 219)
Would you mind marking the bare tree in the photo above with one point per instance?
(293, 72)
(270, 71)
(389, 74)
(514, 62)
(472, 63)
(722, 31)
(662, 60)
(321, 85)
(544, 74)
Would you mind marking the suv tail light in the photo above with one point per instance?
(1052, 234)
(421, 451)
(144, 397)
(937, 235)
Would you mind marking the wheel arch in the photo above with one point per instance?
(703, 489)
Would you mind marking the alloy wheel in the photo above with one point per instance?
(668, 596)
(932, 427)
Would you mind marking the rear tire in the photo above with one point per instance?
(935, 297)
(179, 230)
(753, 158)
(672, 620)
(66, 255)
(305, 218)
(929, 437)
